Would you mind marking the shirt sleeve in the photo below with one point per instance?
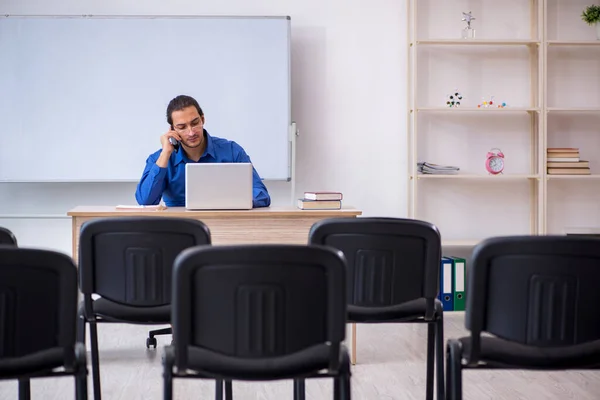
(152, 184)
(260, 194)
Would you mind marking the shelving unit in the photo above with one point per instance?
(540, 58)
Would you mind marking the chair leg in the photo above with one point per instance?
(81, 328)
(299, 389)
(81, 372)
(218, 389)
(341, 388)
(439, 339)
(353, 355)
(454, 370)
(430, 360)
(24, 389)
(168, 359)
(228, 390)
(337, 388)
(81, 386)
(95, 360)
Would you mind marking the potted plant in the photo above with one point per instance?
(591, 15)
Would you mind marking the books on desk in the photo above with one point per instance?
(452, 289)
(436, 169)
(321, 201)
(566, 161)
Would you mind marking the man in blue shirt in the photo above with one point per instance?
(164, 175)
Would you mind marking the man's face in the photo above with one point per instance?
(189, 125)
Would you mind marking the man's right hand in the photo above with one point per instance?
(167, 148)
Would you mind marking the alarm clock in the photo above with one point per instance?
(495, 161)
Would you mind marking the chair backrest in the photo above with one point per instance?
(253, 301)
(7, 237)
(390, 260)
(130, 260)
(38, 302)
(535, 290)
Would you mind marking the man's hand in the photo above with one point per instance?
(167, 148)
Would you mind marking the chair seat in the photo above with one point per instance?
(408, 311)
(305, 363)
(501, 352)
(42, 361)
(114, 312)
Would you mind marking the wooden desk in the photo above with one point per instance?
(287, 225)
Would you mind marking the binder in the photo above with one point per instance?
(459, 271)
(446, 296)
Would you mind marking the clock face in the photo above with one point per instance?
(496, 164)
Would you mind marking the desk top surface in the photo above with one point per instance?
(263, 212)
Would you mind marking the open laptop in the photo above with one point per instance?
(218, 186)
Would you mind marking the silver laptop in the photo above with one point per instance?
(218, 186)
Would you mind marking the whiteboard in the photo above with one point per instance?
(85, 98)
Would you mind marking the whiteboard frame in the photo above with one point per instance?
(291, 123)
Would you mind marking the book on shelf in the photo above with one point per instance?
(436, 169)
(566, 161)
(569, 171)
(576, 164)
(563, 154)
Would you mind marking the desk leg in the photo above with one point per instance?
(353, 353)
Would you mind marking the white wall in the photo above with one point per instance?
(348, 95)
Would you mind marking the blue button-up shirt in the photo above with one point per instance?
(169, 182)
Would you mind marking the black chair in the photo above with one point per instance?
(535, 298)
(7, 237)
(393, 277)
(128, 263)
(38, 319)
(259, 313)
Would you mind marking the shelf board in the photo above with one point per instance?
(479, 176)
(573, 109)
(592, 176)
(480, 42)
(482, 109)
(573, 42)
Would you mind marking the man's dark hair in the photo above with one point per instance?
(179, 103)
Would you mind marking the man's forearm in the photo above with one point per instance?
(163, 159)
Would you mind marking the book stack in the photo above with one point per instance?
(566, 161)
(436, 169)
(320, 201)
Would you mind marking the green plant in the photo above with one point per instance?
(591, 14)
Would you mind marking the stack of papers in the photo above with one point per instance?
(435, 169)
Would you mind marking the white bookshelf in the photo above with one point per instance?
(540, 58)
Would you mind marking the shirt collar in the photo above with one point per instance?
(209, 151)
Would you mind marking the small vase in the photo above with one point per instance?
(598, 30)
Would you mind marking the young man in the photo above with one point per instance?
(164, 175)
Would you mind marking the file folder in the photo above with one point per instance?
(459, 271)
(446, 295)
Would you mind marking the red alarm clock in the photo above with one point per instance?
(495, 161)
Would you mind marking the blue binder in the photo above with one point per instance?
(446, 295)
